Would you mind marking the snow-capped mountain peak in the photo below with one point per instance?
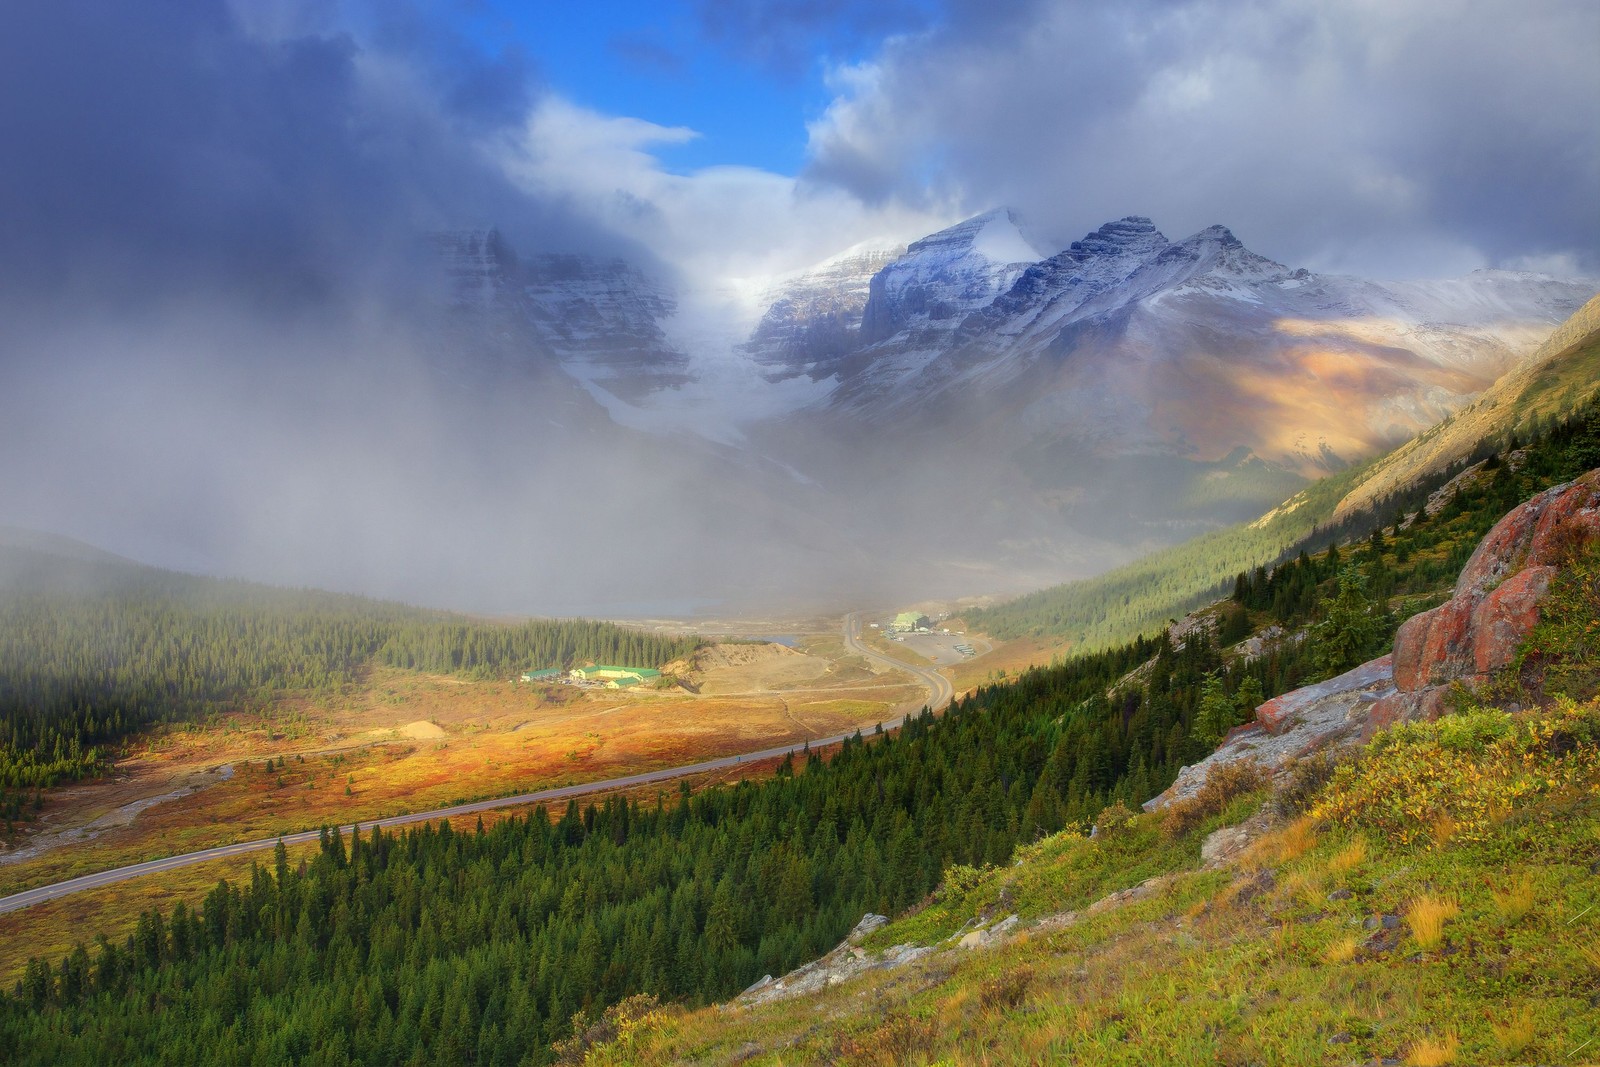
(947, 275)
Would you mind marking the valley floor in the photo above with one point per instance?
(403, 742)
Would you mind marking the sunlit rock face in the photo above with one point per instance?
(1496, 603)
(813, 319)
(1130, 342)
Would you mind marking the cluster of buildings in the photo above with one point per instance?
(600, 675)
(910, 622)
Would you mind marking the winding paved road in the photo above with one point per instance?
(939, 689)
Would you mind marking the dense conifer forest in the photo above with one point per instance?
(92, 650)
(432, 945)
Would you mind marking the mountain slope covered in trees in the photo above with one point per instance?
(433, 944)
(93, 648)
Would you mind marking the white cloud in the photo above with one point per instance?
(728, 233)
(1362, 134)
(719, 224)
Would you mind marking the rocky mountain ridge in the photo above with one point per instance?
(1460, 644)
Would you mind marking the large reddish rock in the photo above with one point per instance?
(1461, 642)
(1495, 604)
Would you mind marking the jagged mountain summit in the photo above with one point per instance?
(1130, 342)
(1006, 417)
(814, 318)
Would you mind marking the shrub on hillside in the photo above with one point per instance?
(1562, 654)
(1306, 779)
(1472, 770)
(1225, 782)
(1113, 820)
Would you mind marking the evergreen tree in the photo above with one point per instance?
(1215, 715)
(1350, 626)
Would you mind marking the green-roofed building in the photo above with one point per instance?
(549, 674)
(907, 621)
(606, 673)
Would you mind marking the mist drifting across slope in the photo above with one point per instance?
(225, 346)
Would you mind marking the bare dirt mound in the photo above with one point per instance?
(754, 668)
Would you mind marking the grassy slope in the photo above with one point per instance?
(1271, 961)
(1141, 596)
(1558, 377)
(1313, 948)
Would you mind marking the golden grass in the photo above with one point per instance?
(1514, 902)
(1515, 1034)
(1434, 1051)
(1348, 858)
(1303, 887)
(1291, 842)
(1427, 915)
(1442, 829)
(1342, 951)
(1591, 952)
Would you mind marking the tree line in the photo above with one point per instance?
(1142, 596)
(432, 945)
(93, 651)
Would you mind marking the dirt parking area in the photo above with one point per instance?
(943, 650)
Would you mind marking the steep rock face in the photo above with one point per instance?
(943, 277)
(1495, 603)
(598, 319)
(602, 317)
(814, 319)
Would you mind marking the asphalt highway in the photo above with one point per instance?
(940, 693)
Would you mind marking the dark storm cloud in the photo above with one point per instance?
(149, 146)
(1396, 138)
(225, 344)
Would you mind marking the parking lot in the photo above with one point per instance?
(943, 650)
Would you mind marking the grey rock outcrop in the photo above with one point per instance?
(845, 962)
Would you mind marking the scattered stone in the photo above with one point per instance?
(1125, 896)
(869, 922)
(1225, 844)
(1340, 894)
(1343, 1037)
(1381, 942)
(846, 961)
(1249, 889)
(994, 934)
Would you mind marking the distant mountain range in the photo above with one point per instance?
(1010, 416)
